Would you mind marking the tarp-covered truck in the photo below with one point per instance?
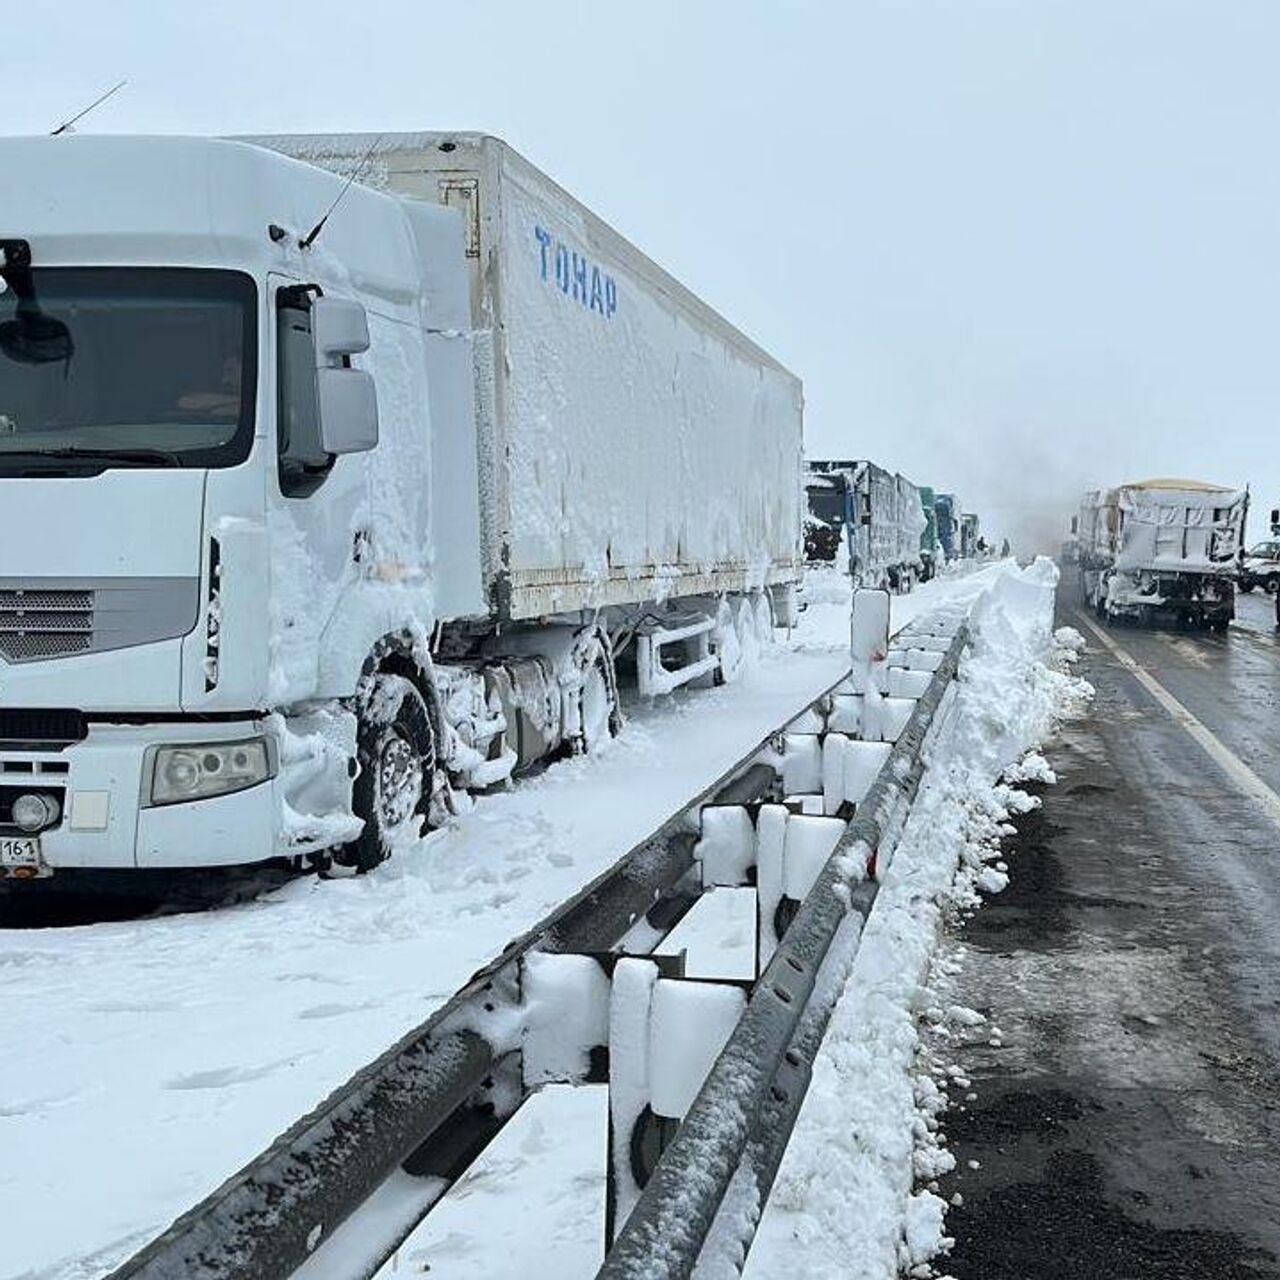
(308, 526)
(1162, 549)
(879, 514)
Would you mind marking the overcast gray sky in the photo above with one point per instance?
(1013, 247)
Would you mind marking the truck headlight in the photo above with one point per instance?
(201, 769)
(34, 811)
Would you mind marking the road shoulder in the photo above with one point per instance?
(1119, 1113)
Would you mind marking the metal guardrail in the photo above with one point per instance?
(749, 1102)
(266, 1220)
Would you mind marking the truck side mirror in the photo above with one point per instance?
(340, 328)
(1275, 517)
(348, 397)
(1075, 525)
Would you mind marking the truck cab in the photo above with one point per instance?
(193, 567)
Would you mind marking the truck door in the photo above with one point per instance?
(313, 505)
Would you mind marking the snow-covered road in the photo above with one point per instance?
(146, 1061)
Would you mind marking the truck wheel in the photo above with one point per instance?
(599, 715)
(1272, 585)
(395, 747)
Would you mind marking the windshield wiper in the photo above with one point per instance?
(126, 457)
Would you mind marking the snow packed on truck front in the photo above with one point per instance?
(136, 443)
(124, 388)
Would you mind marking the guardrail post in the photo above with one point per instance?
(869, 640)
(665, 1031)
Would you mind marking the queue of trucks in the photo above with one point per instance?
(889, 532)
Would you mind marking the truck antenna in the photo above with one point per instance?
(80, 115)
(310, 238)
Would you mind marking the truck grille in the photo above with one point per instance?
(41, 727)
(45, 624)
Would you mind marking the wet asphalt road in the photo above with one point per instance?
(1127, 1122)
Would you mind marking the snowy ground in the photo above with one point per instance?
(147, 1061)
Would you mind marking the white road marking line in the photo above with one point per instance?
(1231, 764)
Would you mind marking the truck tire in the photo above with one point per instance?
(599, 713)
(396, 752)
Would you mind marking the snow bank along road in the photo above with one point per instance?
(852, 1197)
(147, 1061)
(1125, 1121)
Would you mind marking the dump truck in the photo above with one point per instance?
(1162, 550)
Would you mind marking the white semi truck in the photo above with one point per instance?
(1162, 549)
(306, 535)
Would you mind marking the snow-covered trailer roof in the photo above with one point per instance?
(1184, 486)
(443, 166)
(633, 443)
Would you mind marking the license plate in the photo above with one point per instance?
(20, 857)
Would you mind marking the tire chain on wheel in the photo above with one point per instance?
(412, 717)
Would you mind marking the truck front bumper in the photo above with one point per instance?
(106, 821)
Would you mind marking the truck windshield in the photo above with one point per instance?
(826, 505)
(125, 366)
